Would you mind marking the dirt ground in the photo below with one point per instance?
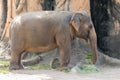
(104, 74)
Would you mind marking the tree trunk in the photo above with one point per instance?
(106, 18)
(20, 4)
(34, 5)
(8, 19)
(3, 14)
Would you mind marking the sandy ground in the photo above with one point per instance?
(105, 74)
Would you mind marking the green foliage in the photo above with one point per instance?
(4, 63)
(89, 56)
(67, 70)
(88, 59)
(85, 69)
(88, 67)
(4, 67)
(39, 67)
(4, 70)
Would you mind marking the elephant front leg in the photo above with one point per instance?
(15, 62)
(65, 50)
(64, 57)
(64, 43)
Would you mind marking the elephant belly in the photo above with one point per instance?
(41, 48)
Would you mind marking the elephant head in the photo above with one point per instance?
(83, 28)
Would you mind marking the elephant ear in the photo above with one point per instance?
(76, 20)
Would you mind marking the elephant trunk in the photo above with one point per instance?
(93, 44)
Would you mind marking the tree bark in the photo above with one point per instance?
(106, 18)
(77, 5)
(59, 5)
(20, 6)
(107, 60)
(3, 13)
(34, 5)
(105, 15)
(8, 19)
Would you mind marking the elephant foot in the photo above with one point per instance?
(63, 68)
(54, 64)
(14, 66)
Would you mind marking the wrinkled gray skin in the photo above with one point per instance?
(47, 30)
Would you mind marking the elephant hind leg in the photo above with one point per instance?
(15, 62)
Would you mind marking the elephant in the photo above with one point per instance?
(46, 30)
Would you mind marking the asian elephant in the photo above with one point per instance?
(47, 30)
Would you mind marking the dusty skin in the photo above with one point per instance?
(28, 34)
(105, 74)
